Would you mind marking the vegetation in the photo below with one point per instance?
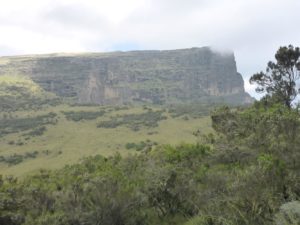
(135, 121)
(18, 158)
(143, 145)
(155, 77)
(193, 110)
(280, 79)
(37, 131)
(83, 115)
(249, 175)
(77, 140)
(19, 92)
(246, 172)
(13, 125)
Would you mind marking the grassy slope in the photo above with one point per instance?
(69, 141)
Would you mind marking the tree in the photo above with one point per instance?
(280, 78)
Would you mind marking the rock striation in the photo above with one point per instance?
(170, 76)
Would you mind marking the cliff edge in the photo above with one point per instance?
(185, 75)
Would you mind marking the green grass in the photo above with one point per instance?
(68, 141)
(18, 92)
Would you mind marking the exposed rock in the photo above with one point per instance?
(196, 74)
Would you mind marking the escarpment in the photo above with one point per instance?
(189, 75)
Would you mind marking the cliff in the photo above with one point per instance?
(189, 75)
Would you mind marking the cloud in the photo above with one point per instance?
(252, 29)
(75, 16)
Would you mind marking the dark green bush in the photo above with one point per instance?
(83, 115)
(37, 131)
(247, 174)
(134, 121)
(37, 123)
(18, 158)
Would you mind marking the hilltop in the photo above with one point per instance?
(139, 77)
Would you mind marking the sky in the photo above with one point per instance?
(252, 29)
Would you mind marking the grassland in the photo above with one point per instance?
(18, 92)
(67, 141)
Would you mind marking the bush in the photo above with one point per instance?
(37, 132)
(8, 126)
(11, 142)
(195, 110)
(18, 158)
(83, 115)
(245, 175)
(143, 145)
(135, 121)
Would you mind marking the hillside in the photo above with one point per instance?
(158, 77)
(56, 109)
(70, 155)
(51, 137)
(19, 92)
(246, 173)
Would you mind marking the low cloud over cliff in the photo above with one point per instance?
(252, 29)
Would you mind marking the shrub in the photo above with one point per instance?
(83, 115)
(22, 124)
(135, 121)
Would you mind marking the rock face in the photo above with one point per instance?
(158, 77)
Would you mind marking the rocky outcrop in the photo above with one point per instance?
(197, 74)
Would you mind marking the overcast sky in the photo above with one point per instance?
(253, 29)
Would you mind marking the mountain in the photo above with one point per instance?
(171, 76)
(19, 92)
